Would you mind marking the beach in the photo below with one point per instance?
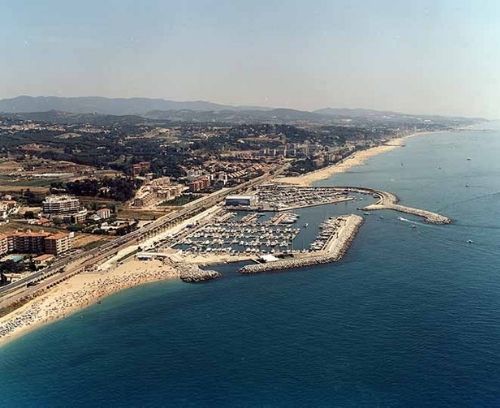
(87, 288)
(80, 291)
(357, 158)
(305, 331)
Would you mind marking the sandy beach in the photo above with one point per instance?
(81, 291)
(87, 288)
(358, 158)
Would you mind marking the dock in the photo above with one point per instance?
(333, 251)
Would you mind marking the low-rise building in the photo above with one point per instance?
(159, 188)
(43, 260)
(240, 200)
(144, 198)
(140, 167)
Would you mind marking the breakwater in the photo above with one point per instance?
(389, 201)
(334, 250)
(279, 197)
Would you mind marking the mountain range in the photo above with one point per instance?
(71, 108)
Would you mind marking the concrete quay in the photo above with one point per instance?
(334, 250)
(339, 243)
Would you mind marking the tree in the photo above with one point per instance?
(31, 264)
(11, 267)
(29, 215)
(3, 279)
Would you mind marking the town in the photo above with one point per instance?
(71, 184)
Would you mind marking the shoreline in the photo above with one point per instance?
(80, 292)
(357, 158)
(86, 289)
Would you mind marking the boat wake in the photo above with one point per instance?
(410, 221)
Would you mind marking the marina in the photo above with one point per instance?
(268, 231)
(335, 241)
(232, 234)
(283, 197)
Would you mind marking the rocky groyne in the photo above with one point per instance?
(194, 274)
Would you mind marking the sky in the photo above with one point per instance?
(434, 57)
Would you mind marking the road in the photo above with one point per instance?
(69, 265)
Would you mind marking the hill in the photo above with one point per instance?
(97, 104)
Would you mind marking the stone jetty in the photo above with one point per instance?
(194, 274)
(389, 201)
(334, 250)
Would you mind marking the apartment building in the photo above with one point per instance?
(60, 204)
(37, 242)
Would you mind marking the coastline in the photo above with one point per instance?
(357, 158)
(79, 292)
(85, 289)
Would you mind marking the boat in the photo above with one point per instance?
(470, 241)
(306, 225)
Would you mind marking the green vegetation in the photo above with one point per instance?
(117, 188)
(181, 200)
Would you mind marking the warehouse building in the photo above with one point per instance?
(241, 201)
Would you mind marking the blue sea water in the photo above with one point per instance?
(409, 318)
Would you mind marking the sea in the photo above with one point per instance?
(409, 318)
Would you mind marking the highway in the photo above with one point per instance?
(72, 264)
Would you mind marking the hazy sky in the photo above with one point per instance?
(414, 56)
